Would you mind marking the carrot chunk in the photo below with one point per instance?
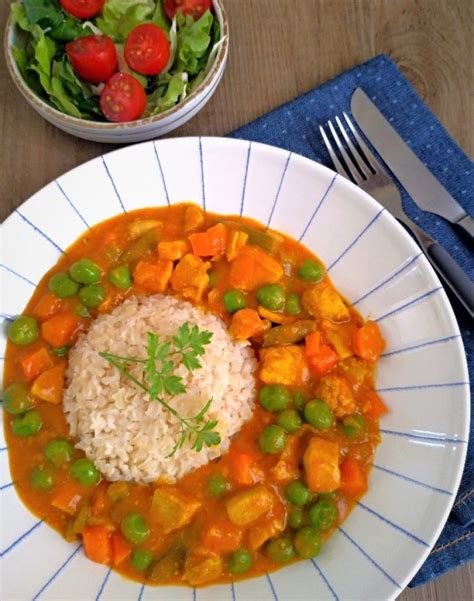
(173, 251)
(100, 500)
(222, 537)
(245, 470)
(121, 549)
(36, 363)
(376, 405)
(353, 478)
(368, 342)
(49, 385)
(47, 306)
(97, 544)
(61, 329)
(210, 243)
(67, 498)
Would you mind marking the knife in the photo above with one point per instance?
(417, 180)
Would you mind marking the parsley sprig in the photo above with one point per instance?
(158, 379)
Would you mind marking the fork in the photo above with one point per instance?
(360, 166)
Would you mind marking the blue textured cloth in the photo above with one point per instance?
(294, 126)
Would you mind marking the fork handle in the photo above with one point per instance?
(457, 279)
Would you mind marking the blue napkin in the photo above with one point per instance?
(294, 126)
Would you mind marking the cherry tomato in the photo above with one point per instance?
(82, 9)
(94, 57)
(195, 8)
(147, 50)
(123, 98)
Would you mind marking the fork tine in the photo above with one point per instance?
(371, 160)
(345, 155)
(337, 163)
(359, 160)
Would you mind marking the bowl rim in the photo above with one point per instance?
(43, 107)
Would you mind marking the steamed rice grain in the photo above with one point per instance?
(125, 434)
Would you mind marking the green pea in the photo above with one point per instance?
(271, 296)
(234, 300)
(293, 305)
(85, 271)
(85, 472)
(41, 478)
(354, 426)
(290, 420)
(299, 400)
(240, 561)
(218, 485)
(307, 542)
(310, 271)
(272, 439)
(318, 414)
(61, 351)
(23, 331)
(297, 493)
(27, 424)
(212, 278)
(59, 451)
(17, 399)
(296, 517)
(120, 277)
(62, 285)
(141, 559)
(92, 295)
(274, 397)
(323, 514)
(134, 528)
(280, 550)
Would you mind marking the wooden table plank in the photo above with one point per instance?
(280, 49)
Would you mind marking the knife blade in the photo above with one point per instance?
(418, 181)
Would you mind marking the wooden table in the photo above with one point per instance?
(280, 49)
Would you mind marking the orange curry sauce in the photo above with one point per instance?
(343, 377)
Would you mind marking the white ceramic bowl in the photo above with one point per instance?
(132, 131)
(373, 262)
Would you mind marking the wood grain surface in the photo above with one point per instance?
(280, 49)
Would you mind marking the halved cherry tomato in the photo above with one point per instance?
(94, 57)
(82, 9)
(195, 8)
(147, 49)
(123, 98)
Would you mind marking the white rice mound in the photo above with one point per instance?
(122, 431)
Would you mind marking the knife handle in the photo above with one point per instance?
(453, 275)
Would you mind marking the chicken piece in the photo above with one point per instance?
(171, 509)
(246, 323)
(337, 393)
(201, 567)
(247, 506)
(283, 365)
(153, 276)
(193, 219)
(258, 535)
(356, 371)
(339, 337)
(287, 468)
(321, 465)
(252, 268)
(142, 226)
(322, 301)
(237, 240)
(173, 251)
(190, 277)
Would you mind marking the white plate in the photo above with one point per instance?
(422, 376)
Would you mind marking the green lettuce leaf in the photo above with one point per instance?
(171, 89)
(194, 39)
(45, 13)
(119, 17)
(160, 18)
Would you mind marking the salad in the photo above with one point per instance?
(115, 60)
